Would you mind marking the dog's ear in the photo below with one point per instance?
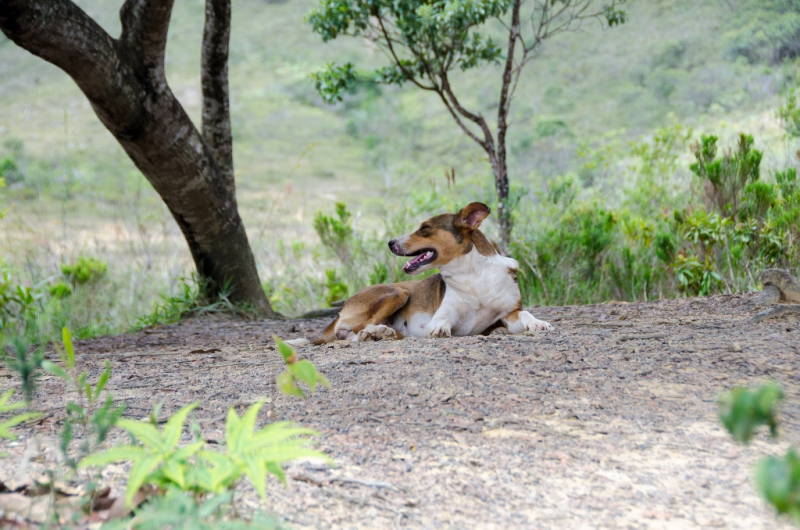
(471, 215)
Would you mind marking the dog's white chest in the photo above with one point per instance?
(480, 291)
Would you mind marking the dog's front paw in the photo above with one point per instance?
(380, 332)
(440, 330)
(533, 324)
(539, 325)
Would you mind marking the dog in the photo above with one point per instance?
(475, 292)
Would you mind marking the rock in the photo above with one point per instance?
(787, 284)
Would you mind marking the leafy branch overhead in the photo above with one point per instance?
(424, 42)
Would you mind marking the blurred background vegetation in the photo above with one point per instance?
(655, 160)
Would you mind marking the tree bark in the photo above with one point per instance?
(501, 166)
(216, 106)
(124, 81)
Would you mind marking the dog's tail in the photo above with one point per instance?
(329, 335)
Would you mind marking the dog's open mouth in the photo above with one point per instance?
(423, 257)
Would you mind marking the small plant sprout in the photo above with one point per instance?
(742, 411)
(26, 365)
(297, 370)
(92, 419)
(14, 420)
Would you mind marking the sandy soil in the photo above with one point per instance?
(607, 422)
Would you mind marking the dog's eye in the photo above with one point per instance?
(425, 230)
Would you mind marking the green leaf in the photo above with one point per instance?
(212, 505)
(174, 471)
(305, 372)
(287, 453)
(145, 433)
(139, 475)
(231, 427)
(123, 453)
(186, 452)
(77, 410)
(321, 379)
(742, 411)
(778, 480)
(276, 433)
(16, 420)
(277, 470)
(222, 474)
(287, 385)
(254, 469)
(286, 351)
(101, 383)
(245, 428)
(81, 383)
(8, 408)
(56, 370)
(68, 348)
(174, 427)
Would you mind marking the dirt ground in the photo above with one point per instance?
(607, 422)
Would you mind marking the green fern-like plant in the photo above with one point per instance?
(159, 460)
(6, 425)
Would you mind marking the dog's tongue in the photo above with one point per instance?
(417, 260)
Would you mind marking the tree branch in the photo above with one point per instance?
(216, 97)
(408, 75)
(488, 143)
(145, 24)
(61, 33)
(458, 120)
(505, 96)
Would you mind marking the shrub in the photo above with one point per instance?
(60, 290)
(765, 31)
(9, 171)
(84, 270)
(725, 178)
(789, 114)
(335, 232)
(24, 363)
(18, 303)
(335, 289)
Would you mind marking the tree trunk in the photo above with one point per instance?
(125, 83)
(216, 106)
(500, 167)
(503, 210)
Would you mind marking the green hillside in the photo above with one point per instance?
(581, 102)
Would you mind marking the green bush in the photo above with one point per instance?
(765, 31)
(725, 178)
(60, 290)
(85, 270)
(9, 171)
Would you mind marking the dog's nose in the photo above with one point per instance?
(391, 244)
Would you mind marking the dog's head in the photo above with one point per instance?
(443, 238)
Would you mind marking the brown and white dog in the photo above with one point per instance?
(475, 292)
